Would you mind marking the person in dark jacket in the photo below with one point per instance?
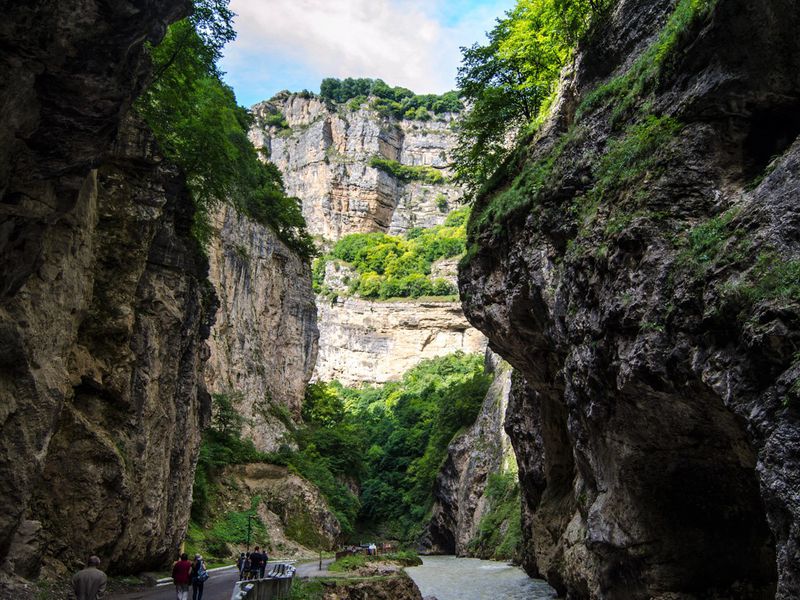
(181, 577)
(90, 583)
(198, 576)
(256, 560)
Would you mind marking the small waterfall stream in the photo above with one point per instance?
(452, 578)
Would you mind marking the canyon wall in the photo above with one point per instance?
(103, 303)
(324, 155)
(460, 501)
(646, 291)
(376, 342)
(324, 151)
(264, 340)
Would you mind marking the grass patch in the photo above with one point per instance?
(771, 278)
(404, 558)
(655, 62)
(706, 239)
(406, 173)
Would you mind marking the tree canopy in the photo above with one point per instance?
(398, 102)
(507, 81)
(201, 128)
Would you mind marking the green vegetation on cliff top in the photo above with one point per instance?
(628, 157)
(397, 102)
(395, 267)
(199, 126)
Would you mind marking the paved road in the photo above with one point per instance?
(220, 583)
(218, 587)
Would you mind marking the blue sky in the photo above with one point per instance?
(293, 44)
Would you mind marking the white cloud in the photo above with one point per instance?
(404, 42)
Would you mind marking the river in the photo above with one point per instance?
(451, 578)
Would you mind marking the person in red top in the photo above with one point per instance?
(180, 576)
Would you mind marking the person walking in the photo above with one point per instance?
(181, 577)
(256, 560)
(199, 575)
(240, 565)
(90, 583)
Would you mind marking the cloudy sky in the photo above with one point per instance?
(293, 44)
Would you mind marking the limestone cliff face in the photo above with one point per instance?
(103, 309)
(324, 157)
(459, 500)
(375, 342)
(657, 424)
(264, 341)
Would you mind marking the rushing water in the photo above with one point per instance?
(451, 578)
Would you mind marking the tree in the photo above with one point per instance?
(506, 82)
(200, 127)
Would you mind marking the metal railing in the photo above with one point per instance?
(276, 584)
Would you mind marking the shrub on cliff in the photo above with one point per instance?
(200, 127)
(399, 267)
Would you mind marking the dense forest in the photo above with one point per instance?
(388, 440)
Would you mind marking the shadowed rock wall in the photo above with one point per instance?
(656, 326)
(103, 305)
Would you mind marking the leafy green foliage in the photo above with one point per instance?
(499, 534)
(394, 102)
(510, 79)
(200, 127)
(407, 172)
(407, 426)
(330, 451)
(222, 445)
(396, 267)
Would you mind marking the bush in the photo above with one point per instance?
(394, 267)
(407, 173)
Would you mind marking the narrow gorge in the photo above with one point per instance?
(552, 317)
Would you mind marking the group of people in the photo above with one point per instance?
(186, 573)
(252, 564)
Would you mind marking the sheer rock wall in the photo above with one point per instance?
(325, 154)
(657, 424)
(459, 492)
(103, 306)
(264, 341)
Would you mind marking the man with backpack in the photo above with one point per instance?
(199, 575)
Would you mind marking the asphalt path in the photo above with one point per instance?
(218, 587)
(220, 583)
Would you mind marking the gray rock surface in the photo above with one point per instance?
(103, 311)
(657, 424)
(264, 340)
